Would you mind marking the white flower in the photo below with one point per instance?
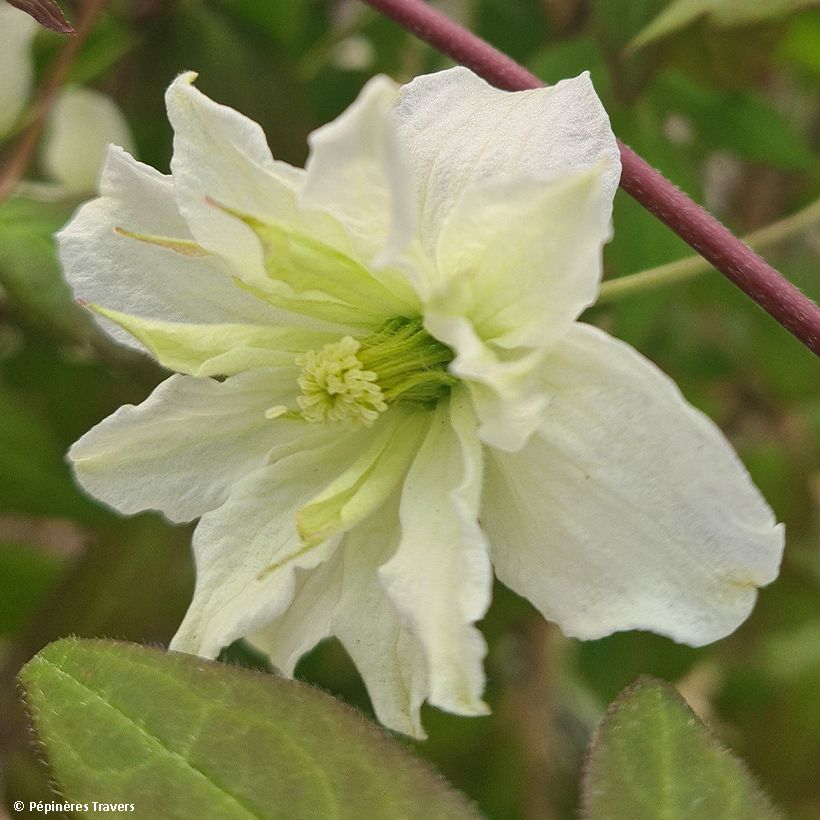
(407, 401)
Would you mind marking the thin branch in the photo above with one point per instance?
(24, 151)
(683, 269)
(753, 275)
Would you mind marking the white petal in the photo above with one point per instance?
(440, 577)
(81, 125)
(457, 131)
(181, 450)
(221, 155)
(248, 549)
(504, 384)
(307, 620)
(143, 278)
(524, 254)
(218, 349)
(628, 509)
(369, 480)
(387, 655)
(17, 29)
(357, 172)
(232, 193)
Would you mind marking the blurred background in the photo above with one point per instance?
(721, 95)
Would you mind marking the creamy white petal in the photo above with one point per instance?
(389, 658)
(457, 130)
(17, 30)
(628, 509)
(182, 449)
(242, 205)
(221, 156)
(143, 278)
(369, 480)
(248, 549)
(440, 578)
(523, 254)
(504, 384)
(81, 125)
(218, 349)
(307, 620)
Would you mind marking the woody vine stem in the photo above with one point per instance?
(724, 251)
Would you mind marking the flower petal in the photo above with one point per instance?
(523, 255)
(181, 450)
(388, 656)
(81, 125)
(142, 278)
(247, 550)
(457, 131)
(218, 350)
(242, 205)
(369, 480)
(357, 172)
(628, 509)
(307, 620)
(343, 596)
(504, 384)
(440, 578)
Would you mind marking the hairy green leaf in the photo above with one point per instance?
(652, 757)
(178, 736)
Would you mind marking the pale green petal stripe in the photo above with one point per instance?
(368, 482)
(217, 349)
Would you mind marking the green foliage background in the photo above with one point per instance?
(728, 108)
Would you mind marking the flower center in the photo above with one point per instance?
(358, 379)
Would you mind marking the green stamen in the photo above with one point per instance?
(358, 379)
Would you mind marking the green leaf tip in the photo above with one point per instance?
(652, 757)
(181, 737)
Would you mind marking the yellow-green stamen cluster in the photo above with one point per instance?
(358, 379)
(336, 387)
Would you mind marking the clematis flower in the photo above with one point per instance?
(382, 393)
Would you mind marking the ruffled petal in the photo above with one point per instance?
(242, 205)
(628, 509)
(218, 349)
(357, 172)
(521, 258)
(458, 131)
(440, 578)
(307, 620)
(247, 550)
(343, 597)
(106, 265)
(387, 654)
(182, 449)
(369, 480)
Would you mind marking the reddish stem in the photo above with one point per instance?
(741, 265)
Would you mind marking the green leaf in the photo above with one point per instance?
(182, 737)
(727, 13)
(652, 757)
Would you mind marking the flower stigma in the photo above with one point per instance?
(356, 380)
